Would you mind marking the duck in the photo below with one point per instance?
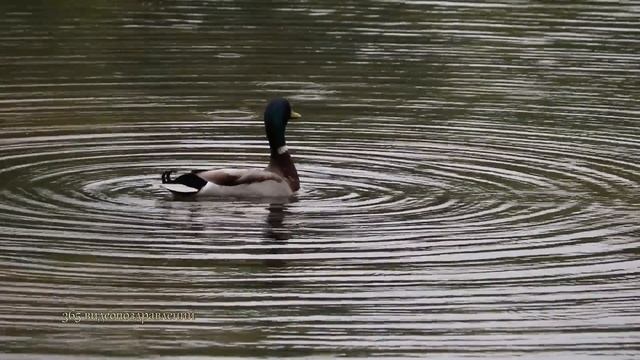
(278, 179)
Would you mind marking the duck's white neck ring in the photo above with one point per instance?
(282, 149)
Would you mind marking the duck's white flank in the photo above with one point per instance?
(268, 188)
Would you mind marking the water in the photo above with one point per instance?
(470, 179)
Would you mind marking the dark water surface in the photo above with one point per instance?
(470, 174)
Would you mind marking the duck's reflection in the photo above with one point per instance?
(188, 217)
(275, 230)
(276, 233)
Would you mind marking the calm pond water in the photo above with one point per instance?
(469, 170)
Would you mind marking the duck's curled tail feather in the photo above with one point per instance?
(166, 177)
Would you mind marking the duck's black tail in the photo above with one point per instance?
(185, 184)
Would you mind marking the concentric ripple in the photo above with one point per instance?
(469, 171)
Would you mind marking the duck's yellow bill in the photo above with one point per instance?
(295, 115)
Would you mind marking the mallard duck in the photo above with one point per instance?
(279, 179)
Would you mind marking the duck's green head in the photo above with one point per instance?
(276, 117)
